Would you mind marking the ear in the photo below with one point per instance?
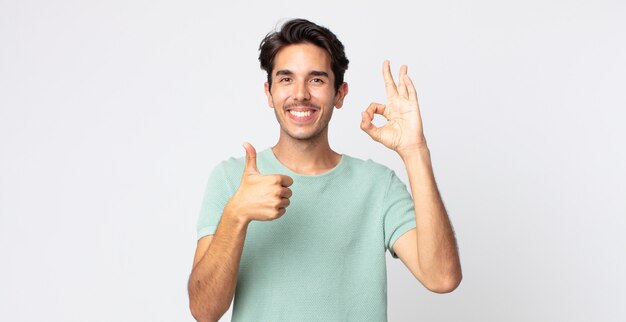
(341, 94)
(270, 101)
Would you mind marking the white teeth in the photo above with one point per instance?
(300, 114)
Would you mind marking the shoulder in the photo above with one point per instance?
(368, 166)
(232, 167)
(229, 168)
(232, 163)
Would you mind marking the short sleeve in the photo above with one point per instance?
(399, 212)
(216, 195)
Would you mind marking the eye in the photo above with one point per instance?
(317, 80)
(284, 79)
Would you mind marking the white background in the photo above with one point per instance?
(112, 115)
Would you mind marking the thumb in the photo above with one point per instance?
(368, 127)
(250, 159)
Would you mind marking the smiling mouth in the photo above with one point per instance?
(302, 115)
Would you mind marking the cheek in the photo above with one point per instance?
(280, 95)
(323, 95)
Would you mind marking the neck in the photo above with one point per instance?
(308, 157)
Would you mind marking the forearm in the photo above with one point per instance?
(213, 279)
(436, 244)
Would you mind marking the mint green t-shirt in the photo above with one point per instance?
(324, 259)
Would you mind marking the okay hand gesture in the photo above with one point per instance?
(403, 131)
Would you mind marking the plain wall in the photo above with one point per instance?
(112, 115)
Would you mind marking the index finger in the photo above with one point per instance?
(285, 181)
(390, 85)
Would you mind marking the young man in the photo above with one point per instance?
(298, 232)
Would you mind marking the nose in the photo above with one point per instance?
(301, 91)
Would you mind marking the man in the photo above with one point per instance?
(298, 232)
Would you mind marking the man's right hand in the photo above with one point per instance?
(260, 197)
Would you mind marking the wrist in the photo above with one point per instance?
(234, 215)
(408, 153)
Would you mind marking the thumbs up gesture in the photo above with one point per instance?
(260, 197)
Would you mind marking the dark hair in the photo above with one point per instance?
(298, 31)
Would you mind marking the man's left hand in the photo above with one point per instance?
(403, 131)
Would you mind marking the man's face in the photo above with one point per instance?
(302, 92)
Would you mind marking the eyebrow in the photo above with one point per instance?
(318, 73)
(312, 73)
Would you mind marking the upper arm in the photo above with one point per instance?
(406, 249)
(201, 248)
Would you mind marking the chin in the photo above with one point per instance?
(302, 137)
(305, 136)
